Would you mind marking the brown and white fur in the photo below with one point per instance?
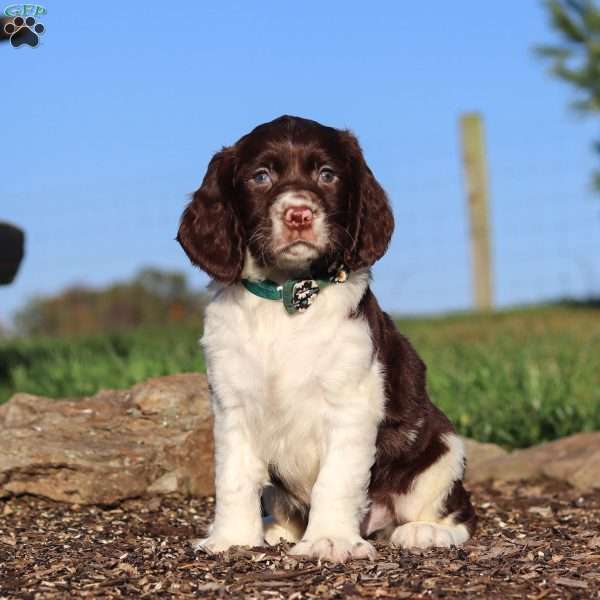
(324, 413)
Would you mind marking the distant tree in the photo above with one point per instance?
(576, 57)
(168, 285)
(152, 298)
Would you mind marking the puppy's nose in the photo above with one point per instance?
(298, 217)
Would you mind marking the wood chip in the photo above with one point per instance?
(141, 549)
(572, 583)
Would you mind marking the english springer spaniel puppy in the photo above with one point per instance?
(321, 413)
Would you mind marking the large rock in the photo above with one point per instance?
(157, 438)
(154, 438)
(480, 454)
(574, 459)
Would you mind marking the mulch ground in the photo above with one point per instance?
(535, 540)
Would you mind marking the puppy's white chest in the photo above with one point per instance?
(288, 375)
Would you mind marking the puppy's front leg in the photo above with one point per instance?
(239, 478)
(339, 496)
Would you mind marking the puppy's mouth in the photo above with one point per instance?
(296, 254)
(297, 246)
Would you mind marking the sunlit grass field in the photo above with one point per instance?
(515, 378)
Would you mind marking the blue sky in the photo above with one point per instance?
(109, 124)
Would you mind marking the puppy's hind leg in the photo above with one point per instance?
(436, 510)
(286, 517)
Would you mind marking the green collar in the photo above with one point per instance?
(297, 294)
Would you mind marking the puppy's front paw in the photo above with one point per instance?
(335, 549)
(213, 543)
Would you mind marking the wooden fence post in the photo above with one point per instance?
(477, 202)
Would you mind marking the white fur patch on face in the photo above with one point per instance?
(294, 249)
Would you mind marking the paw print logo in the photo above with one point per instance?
(24, 31)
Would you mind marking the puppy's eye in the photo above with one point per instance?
(326, 175)
(261, 177)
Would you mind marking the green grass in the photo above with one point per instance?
(515, 378)
(79, 366)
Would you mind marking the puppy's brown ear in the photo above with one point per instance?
(210, 231)
(371, 222)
